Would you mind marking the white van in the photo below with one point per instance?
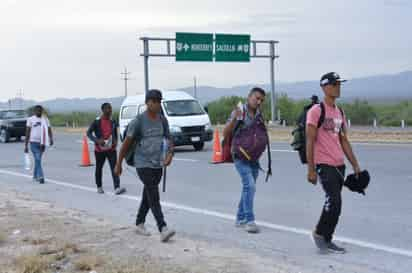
(189, 122)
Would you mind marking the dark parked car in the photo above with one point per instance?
(12, 124)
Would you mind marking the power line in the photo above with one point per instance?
(125, 75)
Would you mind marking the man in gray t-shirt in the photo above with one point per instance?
(151, 135)
(154, 150)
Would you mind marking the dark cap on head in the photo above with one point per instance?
(314, 99)
(153, 94)
(330, 78)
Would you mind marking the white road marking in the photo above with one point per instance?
(185, 159)
(389, 144)
(407, 145)
(365, 244)
(283, 151)
(81, 141)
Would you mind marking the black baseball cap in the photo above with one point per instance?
(358, 183)
(154, 94)
(330, 78)
(314, 99)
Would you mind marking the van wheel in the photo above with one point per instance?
(4, 136)
(199, 146)
(18, 139)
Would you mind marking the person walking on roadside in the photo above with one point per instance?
(149, 140)
(246, 159)
(104, 133)
(327, 145)
(39, 135)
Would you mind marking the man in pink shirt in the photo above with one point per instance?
(327, 146)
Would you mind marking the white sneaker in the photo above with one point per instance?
(141, 230)
(240, 224)
(119, 191)
(166, 234)
(251, 227)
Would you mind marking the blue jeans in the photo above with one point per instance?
(37, 154)
(248, 172)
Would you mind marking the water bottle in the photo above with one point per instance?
(164, 149)
(27, 161)
(240, 107)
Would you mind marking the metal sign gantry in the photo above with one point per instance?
(271, 55)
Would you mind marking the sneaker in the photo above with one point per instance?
(141, 230)
(332, 247)
(100, 190)
(41, 180)
(119, 190)
(166, 234)
(251, 227)
(240, 224)
(319, 241)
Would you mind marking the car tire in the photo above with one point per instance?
(4, 136)
(199, 146)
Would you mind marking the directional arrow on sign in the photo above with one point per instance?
(194, 47)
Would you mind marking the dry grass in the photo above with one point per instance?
(87, 263)
(72, 248)
(59, 248)
(60, 256)
(49, 250)
(32, 264)
(136, 268)
(81, 130)
(37, 242)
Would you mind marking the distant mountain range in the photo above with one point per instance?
(381, 88)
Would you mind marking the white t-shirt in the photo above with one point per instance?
(34, 123)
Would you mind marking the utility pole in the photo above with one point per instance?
(125, 75)
(195, 87)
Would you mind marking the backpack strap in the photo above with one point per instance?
(138, 133)
(343, 117)
(322, 114)
(164, 124)
(269, 171)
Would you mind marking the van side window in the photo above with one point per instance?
(128, 112)
(142, 108)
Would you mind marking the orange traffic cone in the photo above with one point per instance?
(217, 149)
(85, 154)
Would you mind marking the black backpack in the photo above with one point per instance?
(130, 153)
(299, 133)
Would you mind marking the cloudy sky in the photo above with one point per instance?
(77, 48)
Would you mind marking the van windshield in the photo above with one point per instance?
(12, 114)
(183, 108)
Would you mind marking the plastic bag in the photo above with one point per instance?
(27, 161)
